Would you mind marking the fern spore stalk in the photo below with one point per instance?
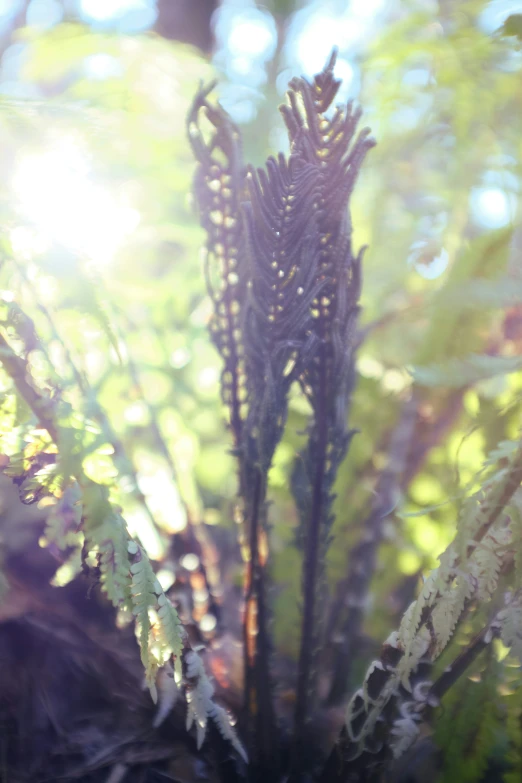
(290, 317)
(329, 145)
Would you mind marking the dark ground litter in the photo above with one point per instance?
(72, 703)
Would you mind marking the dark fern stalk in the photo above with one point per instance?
(325, 145)
(285, 312)
(220, 186)
(283, 246)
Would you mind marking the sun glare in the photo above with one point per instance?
(318, 32)
(56, 193)
(492, 207)
(127, 16)
(253, 34)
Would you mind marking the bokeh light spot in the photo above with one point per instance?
(491, 207)
(102, 66)
(252, 34)
(207, 623)
(44, 13)
(190, 562)
(131, 16)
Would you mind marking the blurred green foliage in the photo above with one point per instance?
(126, 334)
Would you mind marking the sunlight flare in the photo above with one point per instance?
(56, 192)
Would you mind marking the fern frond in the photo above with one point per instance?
(84, 508)
(218, 186)
(147, 594)
(469, 569)
(329, 156)
(144, 598)
(201, 707)
(283, 244)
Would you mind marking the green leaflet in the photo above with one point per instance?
(170, 629)
(84, 509)
(114, 563)
(513, 26)
(511, 625)
(143, 599)
(166, 637)
(64, 519)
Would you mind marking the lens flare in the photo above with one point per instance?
(56, 192)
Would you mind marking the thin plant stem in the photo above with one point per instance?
(258, 686)
(310, 570)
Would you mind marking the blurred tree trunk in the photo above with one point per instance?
(187, 20)
(178, 20)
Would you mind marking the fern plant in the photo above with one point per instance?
(83, 516)
(295, 289)
(284, 284)
(384, 717)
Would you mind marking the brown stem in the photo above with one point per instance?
(43, 407)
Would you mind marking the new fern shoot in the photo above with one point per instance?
(285, 286)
